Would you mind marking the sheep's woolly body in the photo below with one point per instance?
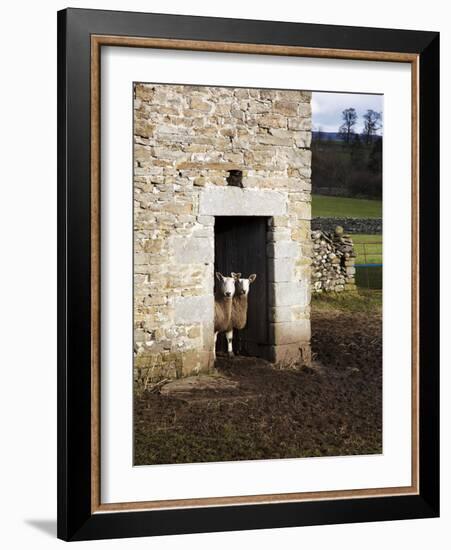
(239, 312)
(223, 313)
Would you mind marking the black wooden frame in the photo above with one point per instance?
(75, 520)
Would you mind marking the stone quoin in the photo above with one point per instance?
(202, 152)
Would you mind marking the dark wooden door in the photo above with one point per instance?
(240, 246)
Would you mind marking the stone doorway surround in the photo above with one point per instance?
(289, 296)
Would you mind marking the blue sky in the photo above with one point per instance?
(328, 106)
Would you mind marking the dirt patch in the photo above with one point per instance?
(252, 410)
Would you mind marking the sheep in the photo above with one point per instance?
(224, 293)
(239, 307)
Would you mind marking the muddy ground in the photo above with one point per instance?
(252, 410)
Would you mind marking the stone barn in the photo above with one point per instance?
(221, 182)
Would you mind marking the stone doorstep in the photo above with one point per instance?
(197, 383)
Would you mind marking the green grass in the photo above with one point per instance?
(362, 301)
(341, 207)
(369, 277)
(368, 248)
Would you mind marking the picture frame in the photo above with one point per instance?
(81, 35)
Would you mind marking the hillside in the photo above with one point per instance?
(347, 169)
(341, 207)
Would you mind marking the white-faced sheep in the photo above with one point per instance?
(225, 290)
(239, 307)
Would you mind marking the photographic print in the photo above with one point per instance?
(257, 273)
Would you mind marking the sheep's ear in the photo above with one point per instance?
(235, 275)
(219, 276)
(252, 277)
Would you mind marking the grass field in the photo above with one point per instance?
(363, 301)
(369, 278)
(340, 207)
(368, 249)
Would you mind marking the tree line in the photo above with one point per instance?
(372, 123)
(352, 164)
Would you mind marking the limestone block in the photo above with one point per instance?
(299, 124)
(278, 234)
(233, 201)
(280, 314)
(275, 140)
(281, 270)
(194, 309)
(302, 209)
(144, 92)
(207, 335)
(282, 249)
(289, 355)
(295, 158)
(206, 220)
(289, 332)
(271, 120)
(303, 139)
(288, 108)
(289, 294)
(200, 105)
(192, 250)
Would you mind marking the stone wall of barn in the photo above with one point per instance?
(187, 139)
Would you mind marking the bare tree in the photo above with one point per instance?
(349, 121)
(373, 123)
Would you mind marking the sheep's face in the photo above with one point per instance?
(226, 285)
(242, 286)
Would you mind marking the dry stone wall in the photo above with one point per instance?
(333, 261)
(187, 139)
(367, 226)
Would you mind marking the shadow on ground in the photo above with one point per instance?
(46, 526)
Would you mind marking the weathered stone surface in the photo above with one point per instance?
(285, 107)
(233, 201)
(302, 209)
(193, 250)
(281, 270)
(206, 220)
(283, 249)
(288, 314)
(289, 294)
(187, 140)
(189, 387)
(289, 332)
(366, 226)
(194, 309)
(280, 314)
(291, 355)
